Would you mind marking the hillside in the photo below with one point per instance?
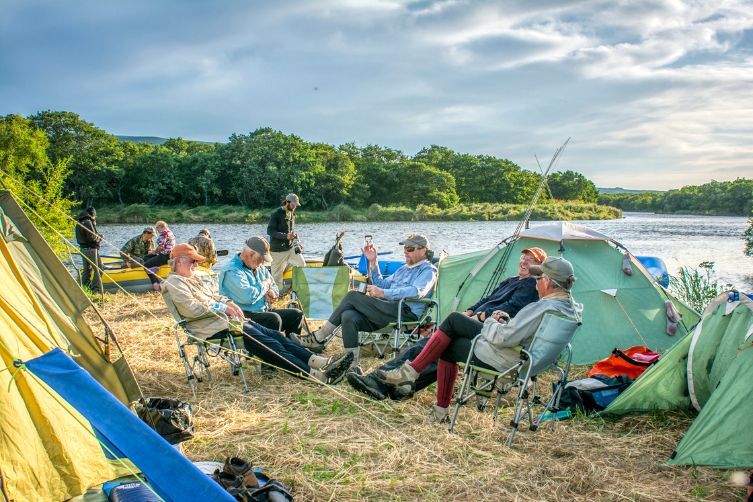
(624, 190)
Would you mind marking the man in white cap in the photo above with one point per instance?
(285, 246)
(246, 280)
(379, 306)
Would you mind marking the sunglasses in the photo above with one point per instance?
(410, 249)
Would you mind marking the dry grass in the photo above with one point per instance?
(325, 447)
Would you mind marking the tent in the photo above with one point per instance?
(50, 448)
(710, 371)
(620, 310)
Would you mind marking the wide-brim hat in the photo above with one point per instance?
(184, 249)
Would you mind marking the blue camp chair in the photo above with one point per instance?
(229, 349)
(549, 349)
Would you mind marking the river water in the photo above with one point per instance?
(679, 240)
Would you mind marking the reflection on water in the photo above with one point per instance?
(679, 240)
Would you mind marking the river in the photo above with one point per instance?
(680, 240)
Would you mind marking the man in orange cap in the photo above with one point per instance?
(193, 299)
(507, 299)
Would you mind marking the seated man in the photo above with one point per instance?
(378, 307)
(246, 280)
(509, 297)
(193, 298)
(135, 250)
(499, 347)
(205, 246)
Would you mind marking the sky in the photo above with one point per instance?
(654, 95)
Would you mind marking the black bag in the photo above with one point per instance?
(170, 418)
(588, 401)
(335, 256)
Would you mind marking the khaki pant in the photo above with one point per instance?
(280, 261)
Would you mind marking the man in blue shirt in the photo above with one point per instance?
(245, 280)
(379, 306)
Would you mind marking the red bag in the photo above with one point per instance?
(630, 363)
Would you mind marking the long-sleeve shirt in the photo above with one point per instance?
(136, 247)
(205, 247)
(166, 239)
(87, 235)
(280, 224)
(510, 296)
(246, 287)
(408, 282)
(500, 339)
(193, 298)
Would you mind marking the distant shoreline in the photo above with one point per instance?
(143, 213)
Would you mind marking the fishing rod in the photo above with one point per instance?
(496, 275)
(507, 242)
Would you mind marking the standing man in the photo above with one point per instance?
(88, 239)
(246, 280)
(135, 250)
(284, 243)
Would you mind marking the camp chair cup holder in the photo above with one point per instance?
(398, 335)
(227, 348)
(549, 349)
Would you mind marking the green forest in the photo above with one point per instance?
(56, 160)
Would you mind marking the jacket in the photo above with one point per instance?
(205, 247)
(193, 298)
(408, 282)
(136, 247)
(511, 295)
(500, 343)
(87, 235)
(246, 287)
(278, 229)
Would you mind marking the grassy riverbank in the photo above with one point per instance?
(142, 213)
(334, 444)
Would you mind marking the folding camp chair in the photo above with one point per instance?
(401, 334)
(549, 347)
(197, 368)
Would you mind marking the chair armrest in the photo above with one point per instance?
(428, 301)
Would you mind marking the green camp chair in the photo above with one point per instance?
(401, 334)
(227, 349)
(318, 290)
(549, 349)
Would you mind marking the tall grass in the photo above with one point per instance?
(143, 213)
(697, 287)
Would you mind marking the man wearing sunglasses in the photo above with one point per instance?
(379, 306)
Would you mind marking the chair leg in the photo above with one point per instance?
(467, 372)
(522, 397)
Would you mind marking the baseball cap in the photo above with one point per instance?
(557, 269)
(537, 254)
(184, 249)
(261, 246)
(415, 240)
(291, 197)
(148, 230)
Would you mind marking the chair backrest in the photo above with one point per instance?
(170, 305)
(554, 333)
(320, 289)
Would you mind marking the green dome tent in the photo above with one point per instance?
(619, 310)
(710, 370)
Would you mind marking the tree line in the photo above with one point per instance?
(713, 198)
(257, 169)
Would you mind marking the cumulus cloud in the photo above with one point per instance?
(653, 93)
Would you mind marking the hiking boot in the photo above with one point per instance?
(367, 384)
(335, 371)
(227, 480)
(398, 376)
(320, 362)
(241, 469)
(404, 391)
(308, 341)
(439, 415)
